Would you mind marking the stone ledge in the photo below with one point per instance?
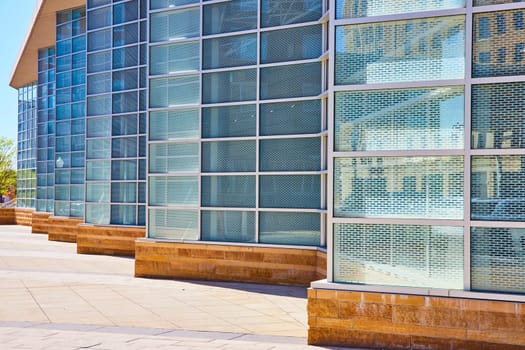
(40, 222)
(394, 321)
(271, 265)
(108, 240)
(63, 229)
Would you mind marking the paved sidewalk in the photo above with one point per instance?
(53, 298)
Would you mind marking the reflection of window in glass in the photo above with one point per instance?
(502, 55)
(484, 28)
(484, 57)
(500, 20)
(518, 20)
(518, 52)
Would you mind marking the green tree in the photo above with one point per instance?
(7, 159)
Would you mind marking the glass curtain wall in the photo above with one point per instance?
(410, 188)
(70, 94)
(27, 146)
(420, 125)
(116, 112)
(237, 128)
(45, 179)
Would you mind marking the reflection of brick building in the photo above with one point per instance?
(499, 43)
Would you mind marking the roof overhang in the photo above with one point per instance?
(41, 34)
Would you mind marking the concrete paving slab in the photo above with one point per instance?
(53, 298)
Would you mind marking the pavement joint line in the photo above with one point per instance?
(36, 302)
(155, 332)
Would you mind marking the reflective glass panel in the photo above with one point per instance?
(399, 255)
(395, 51)
(408, 119)
(399, 187)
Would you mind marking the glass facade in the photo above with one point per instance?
(390, 129)
(70, 113)
(410, 187)
(116, 113)
(46, 134)
(236, 142)
(27, 147)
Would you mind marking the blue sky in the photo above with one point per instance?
(15, 16)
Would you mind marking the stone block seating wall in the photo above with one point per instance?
(228, 262)
(40, 222)
(395, 321)
(7, 216)
(108, 240)
(63, 229)
(24, 217)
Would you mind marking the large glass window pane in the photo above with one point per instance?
(125, 12)
(291, 44)
(290, 228)
(496, 48)
(98, 62)
(408, 119)
(99, 83)
(399, 255)
(399, 187)
(175, 91)
(228, 191)
(369, 8)
(99, 105)
(97, 192)
(497, 188)
(395, 51)
(174, 25)
(123, 215)
(290, 154)
(124, 147)
(98, 171)
(170, 125)
(289, 81)
(125, 79)
(176, 191)
(99, 18)
(125, 102)
(98, 127)
(228, 156)
(124, 125)
(232, 86)
(497, 116)
(174, 58)
(230, 51)
(279, 12)
(290, 191)
(99, 40)
(125, 57)
(123, 192)
(173, 224)
(160, 4)
(230, 121)
(230, 16)
(126, 34)
(97, 214)
(124, 170)
(98, 149)
(497, 259)
(174, 158)
(228, 226)
(298, 117)
(493, 2)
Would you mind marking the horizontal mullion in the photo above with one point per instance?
(397, 221)
(400, 85)
(401, 16)
(404, 153)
